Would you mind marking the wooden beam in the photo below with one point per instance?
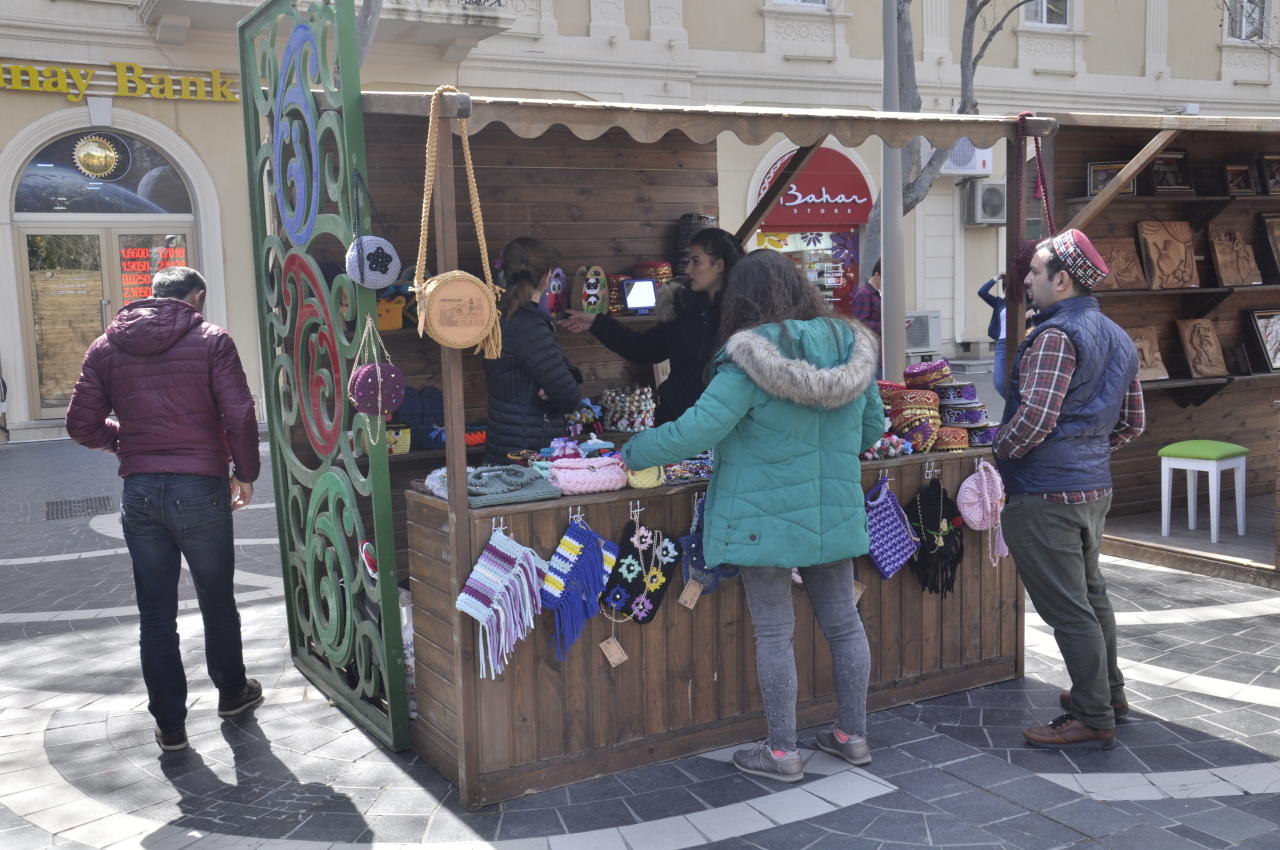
(455, 451)
(1091, 210)
(770, 197)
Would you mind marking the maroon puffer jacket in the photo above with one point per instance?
(177, 387)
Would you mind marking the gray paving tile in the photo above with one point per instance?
(947, 829)
(661, 804)
(903, 827)
(847, 821)
(601, 814)
(973, 736)
(452, 826)
(703, 768)
(938, 750)
(1223, 753)
(1169, 758)
(330, 826)
(979, 807)
(985, 770)
(1041, 761)
(1176, 808)
(604, 788)
(901, 801)
(1090, 817)
(723, 792)
(1036, 832)
(395, 829)
(844, 842)
(1229, 825)
(542, 800)
(931, 783)
(531, 824)
(1202, 838)
(890, 761)
(1145, 836)
(792, 836)
(1269, 841)
(655, 777)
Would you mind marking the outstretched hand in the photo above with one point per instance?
(241, 493)
(577, 321)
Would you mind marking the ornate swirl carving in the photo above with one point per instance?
(297, 177)
(1049, 48)
(315, 354)
(607, 12)
(807, 31)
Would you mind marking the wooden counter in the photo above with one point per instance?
(690, 682)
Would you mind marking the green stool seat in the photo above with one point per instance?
(1203, 450)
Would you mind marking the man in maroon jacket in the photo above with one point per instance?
(184, 415)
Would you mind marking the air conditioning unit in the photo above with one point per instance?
(924, 331)
(964, 160)
(985, 202)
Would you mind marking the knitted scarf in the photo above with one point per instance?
(575, 577)
(502, 595)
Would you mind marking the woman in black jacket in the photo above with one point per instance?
(531, 386)
(688, 323)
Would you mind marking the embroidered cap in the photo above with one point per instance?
(1082, 260)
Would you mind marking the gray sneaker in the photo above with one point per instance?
(855, 750)
(760, 761)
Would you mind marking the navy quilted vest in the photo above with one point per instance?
(1077, 454)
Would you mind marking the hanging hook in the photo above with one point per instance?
(930, 470)
(575, 514)
(499, 523)
(885, 476)
(634, 509)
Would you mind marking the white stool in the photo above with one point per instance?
(1211, 456)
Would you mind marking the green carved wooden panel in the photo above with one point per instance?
(304, 141)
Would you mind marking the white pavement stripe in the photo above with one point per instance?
(102, 553)
(1225, 611)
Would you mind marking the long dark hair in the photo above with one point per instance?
(525, 262)
(720, 245)
(766, 287)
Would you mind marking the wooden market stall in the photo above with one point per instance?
(605, 183)
(1219, 218)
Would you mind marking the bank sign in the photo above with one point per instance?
(118, 79)
(829, 194)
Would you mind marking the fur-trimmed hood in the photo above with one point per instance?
(822, 363)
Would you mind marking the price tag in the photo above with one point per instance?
(691, 594)
(858, 588)
(613, 651)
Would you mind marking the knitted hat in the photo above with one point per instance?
(1081, 259)
(501, 485)
(502, 595)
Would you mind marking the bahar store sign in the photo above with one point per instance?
(117, 79)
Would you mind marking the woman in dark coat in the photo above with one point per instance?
(531, 386)
(688, 322)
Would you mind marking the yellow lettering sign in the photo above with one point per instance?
(81, 77)
(132, 80)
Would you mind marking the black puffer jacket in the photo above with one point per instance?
(688, 323)
(531, 360)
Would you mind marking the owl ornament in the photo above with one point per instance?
(557, 296)
(594, 289)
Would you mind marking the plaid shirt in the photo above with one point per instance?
(865, 304)
(1046, 369)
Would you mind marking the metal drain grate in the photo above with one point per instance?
(68, 508)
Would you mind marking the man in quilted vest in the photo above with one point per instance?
(187, 441)
(1073, 397)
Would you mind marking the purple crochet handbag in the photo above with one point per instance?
(892, 541)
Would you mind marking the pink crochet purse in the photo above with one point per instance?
(575, 475)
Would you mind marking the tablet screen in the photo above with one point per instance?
(641, 294)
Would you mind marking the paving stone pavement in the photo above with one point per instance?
(1195, 767)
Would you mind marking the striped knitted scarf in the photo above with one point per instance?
(502, 595)
(576, 575)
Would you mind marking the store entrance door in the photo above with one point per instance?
(76, 279)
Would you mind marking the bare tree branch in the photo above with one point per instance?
(995, 30)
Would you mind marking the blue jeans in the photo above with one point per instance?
(999, 367)
(830, 590)
(165, 516)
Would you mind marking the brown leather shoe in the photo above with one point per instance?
(1065, 732)
(1120, 708)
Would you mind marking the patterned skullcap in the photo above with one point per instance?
(1082, 260)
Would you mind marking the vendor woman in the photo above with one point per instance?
(531, 386)
(688, 323)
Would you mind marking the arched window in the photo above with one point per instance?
(101, 172)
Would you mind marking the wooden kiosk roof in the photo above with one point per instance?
(646, 122)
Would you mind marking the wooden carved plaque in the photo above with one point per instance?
(1168, 254)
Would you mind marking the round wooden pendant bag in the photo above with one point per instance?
(457, 309)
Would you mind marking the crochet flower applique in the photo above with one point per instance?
(646, 560)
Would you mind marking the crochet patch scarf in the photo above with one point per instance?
(575, 577)
(646, 561)
(502, 595)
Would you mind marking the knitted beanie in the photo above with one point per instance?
(502, 595)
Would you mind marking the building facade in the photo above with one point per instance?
(122, 150)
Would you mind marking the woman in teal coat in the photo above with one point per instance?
(791, 404)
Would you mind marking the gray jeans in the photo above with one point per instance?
(830, 589)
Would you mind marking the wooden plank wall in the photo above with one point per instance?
(1241, 413)
(690, 674)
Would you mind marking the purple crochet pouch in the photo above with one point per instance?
(892, 543)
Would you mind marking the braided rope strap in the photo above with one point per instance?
(476, 308)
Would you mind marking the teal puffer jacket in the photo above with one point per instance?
(790, 408)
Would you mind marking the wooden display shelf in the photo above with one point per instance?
(1193, 392)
